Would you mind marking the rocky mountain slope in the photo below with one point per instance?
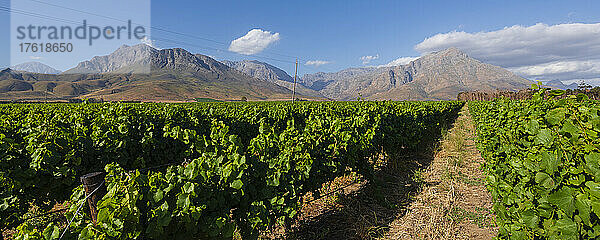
(318, 81)
(35, 67)
(560, 85)
(143, 73)
(146, 74)
(260, 70)
(270, 73)
(437, 76)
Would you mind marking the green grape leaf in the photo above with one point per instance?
(563, 199)
(555, 116)
(582, 203)
(550, 161)
(544, 179)
(544, 137)
(592, 164)
(237, 184)
(567, 228)
(530, 218)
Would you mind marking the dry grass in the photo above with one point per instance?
(363, 211)
(453, 203)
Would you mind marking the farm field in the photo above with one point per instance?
(334, 120)
(517, 169)
(212, 170)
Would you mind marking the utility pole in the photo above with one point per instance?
(295, 77)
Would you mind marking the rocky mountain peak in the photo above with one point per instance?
(142, 58)
(560, 85)
(260, 70)
(449, 54)
(436, 76)
(124, 57)
(35, 67)
(8, 73)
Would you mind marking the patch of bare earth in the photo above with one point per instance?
(453, 202)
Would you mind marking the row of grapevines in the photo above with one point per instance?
(250, 163)
(542, 160)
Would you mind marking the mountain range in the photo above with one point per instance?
(272, 74)
(144, 73)
(560, 85)
(436, 76)
(35, 67)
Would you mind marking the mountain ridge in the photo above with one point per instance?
(436, 76)
(270, 73)
(35, 67)
(143, 73)
(560, 85)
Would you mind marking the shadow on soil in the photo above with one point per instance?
(368, 212)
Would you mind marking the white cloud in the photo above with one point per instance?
(564, 51)
(590, 81)
(148, 42)
(400, 61)
(35, 58)
(316, 63)
(563, 70)
(368, 59)
(255, 41)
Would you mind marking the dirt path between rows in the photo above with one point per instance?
(453, 202)
(437, 192)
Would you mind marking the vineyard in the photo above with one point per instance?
(543, 165)
(209, 170)
(234, 170)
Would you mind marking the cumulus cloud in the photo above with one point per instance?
(400, 61)
(316, 63)
(563, 70)
(368, 59)
(591, 81)
(563, 51)
(255, 41)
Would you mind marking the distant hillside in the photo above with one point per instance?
(318, 81)
(272, 74)
(35, 67)
(175, 75)
(437, 76)
(260, 70)
(560, 85)
(143, 73)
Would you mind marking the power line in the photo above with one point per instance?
(178, 33)
(152, 27)
(37, 15)
(12, 10)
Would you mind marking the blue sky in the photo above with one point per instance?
(344, 31)
(341, 32)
